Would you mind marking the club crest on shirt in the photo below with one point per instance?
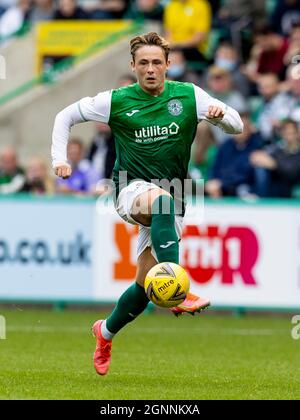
(175, 107)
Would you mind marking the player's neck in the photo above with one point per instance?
(154, 92)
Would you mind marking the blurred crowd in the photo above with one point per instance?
(245, 53)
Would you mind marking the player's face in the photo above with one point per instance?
(150, 67)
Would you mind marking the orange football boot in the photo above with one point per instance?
(191, 305)
(102, 353)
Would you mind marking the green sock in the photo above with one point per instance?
(131, 304)
(163, 232)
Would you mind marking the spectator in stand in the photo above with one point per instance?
(232, 173)
(203, 154)
(277, 170)
(294, 46)
(178, 69)
(267, 54)
(273, 107)
(220, 86)
(285, 15)
(102, 152)
(215, 6)
(109, 9)
(236, 18)
(187, 24)
(13, 19)
(12, 176)
(292, 109)
(208, 137)
(69, 10)
(226, 57)
(42, 10)
(235, 10)
(77, 182)
(37, 178)
(146, 10)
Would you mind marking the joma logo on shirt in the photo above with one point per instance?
(155, 132)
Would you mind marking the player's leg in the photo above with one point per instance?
(133, 301)
(155, 208)
(131, 304)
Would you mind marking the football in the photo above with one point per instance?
(167, 284)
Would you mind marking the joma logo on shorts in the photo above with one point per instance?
(156, 130)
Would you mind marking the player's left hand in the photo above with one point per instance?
(215, 113)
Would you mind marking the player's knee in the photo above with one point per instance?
(143, 219)
(141, 205)
(163, 204)
(151, 202)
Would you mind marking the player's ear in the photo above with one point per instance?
(132, 63)
(168, 64)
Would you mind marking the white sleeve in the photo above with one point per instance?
(231, 123)
(87, 109)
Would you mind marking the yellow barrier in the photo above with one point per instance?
(73, 37)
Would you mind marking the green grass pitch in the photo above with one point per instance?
(48, 355)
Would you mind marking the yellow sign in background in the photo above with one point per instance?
(73, 37)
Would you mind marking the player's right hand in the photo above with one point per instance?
(215, 113)
(63, 170)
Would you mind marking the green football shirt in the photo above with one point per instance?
(153, 134)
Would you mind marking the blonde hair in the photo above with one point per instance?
(152, 38)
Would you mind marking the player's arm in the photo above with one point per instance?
(217, 113)
(87, 109)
